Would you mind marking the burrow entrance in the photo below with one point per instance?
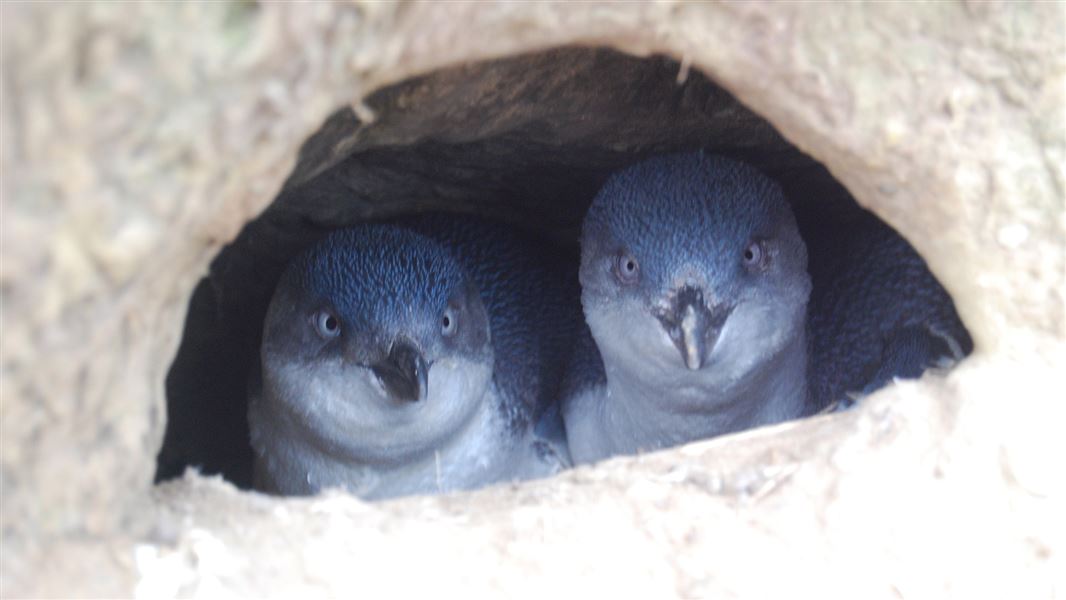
(527, 140)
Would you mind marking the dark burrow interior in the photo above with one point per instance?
(527, 140)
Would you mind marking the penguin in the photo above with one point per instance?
(700, 321)
(411, 357)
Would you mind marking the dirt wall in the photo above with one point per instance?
(139, 139)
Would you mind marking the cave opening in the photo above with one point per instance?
(526, 140)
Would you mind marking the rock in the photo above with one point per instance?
(138, 156)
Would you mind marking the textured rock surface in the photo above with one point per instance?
(137, 140)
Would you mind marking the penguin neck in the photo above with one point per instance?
(640, 416)
(457, 463)
(295, 461)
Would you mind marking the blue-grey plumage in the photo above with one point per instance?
(696, 291)
(876, 312)
(412, 357)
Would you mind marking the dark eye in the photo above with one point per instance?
(627, 269)
(327, 325)
(754, 256)
(448, 323)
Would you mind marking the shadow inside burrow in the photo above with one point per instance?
(526, 140)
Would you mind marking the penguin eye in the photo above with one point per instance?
(327, 324)
(627, 269)
(755, 256)
(448, 323)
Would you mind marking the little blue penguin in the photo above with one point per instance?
(695, 287)
(412, 357)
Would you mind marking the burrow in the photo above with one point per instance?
(527, 140)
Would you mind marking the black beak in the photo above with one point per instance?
(692, 326)
(404, 373)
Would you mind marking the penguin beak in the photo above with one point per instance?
(692, 326)
(403, 373)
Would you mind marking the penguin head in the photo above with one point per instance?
(377, 343)
(693, 271)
